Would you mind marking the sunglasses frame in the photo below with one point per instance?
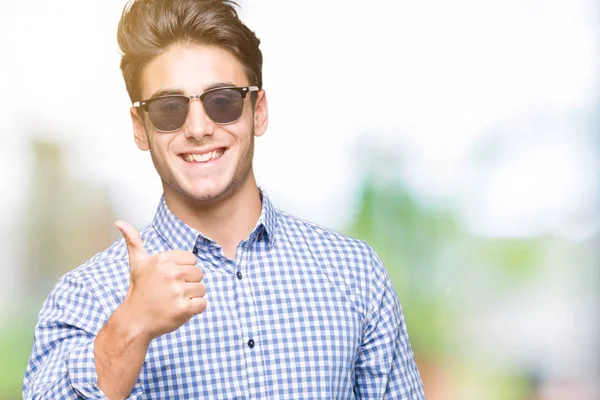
(243, 90)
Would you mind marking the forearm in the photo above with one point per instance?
(61, 364)
(119, 352)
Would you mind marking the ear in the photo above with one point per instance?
(261, 113)
(139, 129)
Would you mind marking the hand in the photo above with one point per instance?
(165, 290)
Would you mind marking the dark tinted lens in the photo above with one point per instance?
(223, 105)
(168, 113)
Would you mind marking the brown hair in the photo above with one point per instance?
(148, 27)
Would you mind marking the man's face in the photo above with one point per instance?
(180, 157)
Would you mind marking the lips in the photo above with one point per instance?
(203, 156)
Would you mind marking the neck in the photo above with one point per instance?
(227, 221)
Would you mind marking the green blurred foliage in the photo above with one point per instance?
(435, 262)
(407, 237)
(517, 258)
(16, 338)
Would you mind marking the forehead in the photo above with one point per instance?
(191, 68)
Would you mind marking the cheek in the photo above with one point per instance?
(160, 146)
(244, 132)
(244, 144)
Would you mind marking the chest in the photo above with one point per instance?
(271, 327)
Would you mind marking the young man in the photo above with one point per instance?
(222, 296)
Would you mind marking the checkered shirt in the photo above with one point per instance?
(302, 312)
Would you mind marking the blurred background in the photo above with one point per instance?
(460, 139)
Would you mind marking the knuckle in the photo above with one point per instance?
(196, 274)
(190, 258)
(201, 306)
(175, 253)
(182, 313)
(192, 274)
(171, 275)
(191, 309)
(179, 291)
(202, 289)
(185, 256)
(178, 273)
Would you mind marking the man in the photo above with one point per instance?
(222, 296)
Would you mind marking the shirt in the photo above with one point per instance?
(302, 312)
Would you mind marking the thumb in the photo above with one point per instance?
(135, 246)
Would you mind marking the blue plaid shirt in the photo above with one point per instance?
(302, 312)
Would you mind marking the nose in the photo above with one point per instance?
(198, 124)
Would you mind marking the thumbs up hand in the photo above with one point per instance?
(165, 290)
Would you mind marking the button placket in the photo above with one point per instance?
(247, 312)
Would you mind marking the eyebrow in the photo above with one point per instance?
(170, 92)
(166, 92)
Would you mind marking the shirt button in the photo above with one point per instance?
(251, 343)
(239, 275)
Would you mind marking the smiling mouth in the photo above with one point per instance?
(204, 157)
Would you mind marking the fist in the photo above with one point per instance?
(165, 289)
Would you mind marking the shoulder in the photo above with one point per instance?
(333, 253)
(323, 240)
(351, 264)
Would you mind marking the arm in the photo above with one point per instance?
(79, 352)
(119, 351)
(165, 291)
(62, 363)
(385, 367)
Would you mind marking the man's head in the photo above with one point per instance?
(187, 47)
(149, 27)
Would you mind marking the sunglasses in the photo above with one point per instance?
(223, 105)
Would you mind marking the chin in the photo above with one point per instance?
(208, 190)
(207, 193)
(206, 197)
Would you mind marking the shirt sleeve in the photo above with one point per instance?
(62, 365)
(385, 368)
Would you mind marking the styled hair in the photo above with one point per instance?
(148, 27)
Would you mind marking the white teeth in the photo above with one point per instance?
(203, 157)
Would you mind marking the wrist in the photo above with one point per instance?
(125, 323)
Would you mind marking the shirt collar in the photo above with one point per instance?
(268, 218)
(179, 235)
